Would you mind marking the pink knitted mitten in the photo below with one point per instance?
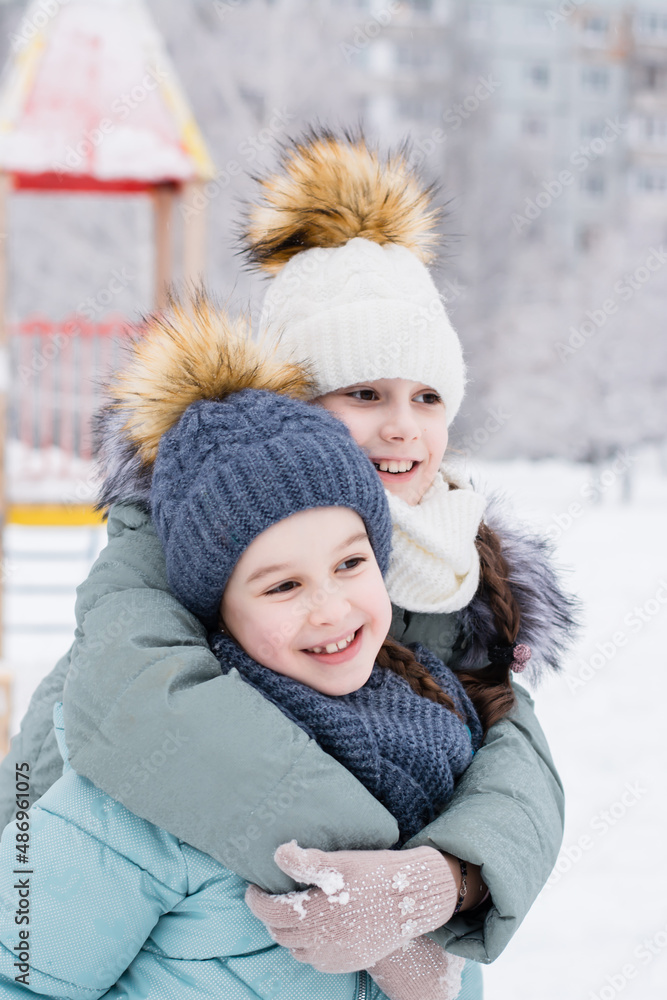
(420, 970)
(365, 905)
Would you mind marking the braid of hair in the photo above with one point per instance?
(494, 574)
(403, 662)
(490, 688)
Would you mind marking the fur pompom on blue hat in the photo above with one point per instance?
(229, 469)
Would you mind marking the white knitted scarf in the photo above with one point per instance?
(434, 564)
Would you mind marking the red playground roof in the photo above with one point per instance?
(90, 101)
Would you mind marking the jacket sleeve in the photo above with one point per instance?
(151, 720)
(35, 744)
(507, 816)
(95, 884)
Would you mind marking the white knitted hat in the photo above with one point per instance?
(362, 312)
(348, 237)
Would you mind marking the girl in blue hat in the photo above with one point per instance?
(276, 532)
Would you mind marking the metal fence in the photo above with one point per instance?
(57, 374)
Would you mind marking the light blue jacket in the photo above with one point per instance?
(121, 908)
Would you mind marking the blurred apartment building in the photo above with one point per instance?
(580, 87)
(575, 87)
(546, 123)
(647, 113)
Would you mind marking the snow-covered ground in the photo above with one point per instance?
(43, 567)
(599, 929)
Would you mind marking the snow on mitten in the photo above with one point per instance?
(364, 906)
(420, 970)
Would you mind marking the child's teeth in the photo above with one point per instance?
(333, 647)
(394, 466)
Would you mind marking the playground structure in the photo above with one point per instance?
(89, 104)
(53, 396)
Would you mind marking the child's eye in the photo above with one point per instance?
(283, 588)
(428, 397)
(367, 395)
(351, 563)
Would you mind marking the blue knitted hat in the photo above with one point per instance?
(229, 469)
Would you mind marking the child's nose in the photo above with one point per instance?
(328, 608)
(400, 425)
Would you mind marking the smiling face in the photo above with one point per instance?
(307, 600)
(401, 426)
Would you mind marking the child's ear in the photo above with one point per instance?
(222, 628)
(221, 620)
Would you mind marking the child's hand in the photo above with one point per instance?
(367, 904)
(420, 970)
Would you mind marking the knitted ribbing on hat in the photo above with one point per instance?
(362, 312)
(230, 469)
(406, 750)
(434, 564)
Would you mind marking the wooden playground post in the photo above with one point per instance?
(163, 207)
(194, 232)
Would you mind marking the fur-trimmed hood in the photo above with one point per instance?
(550, 616)
(200, 353)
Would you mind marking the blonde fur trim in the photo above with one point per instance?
(194, 351)
(331, 189)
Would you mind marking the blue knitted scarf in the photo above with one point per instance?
(408, 751)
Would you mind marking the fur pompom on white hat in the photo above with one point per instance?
(347, 235)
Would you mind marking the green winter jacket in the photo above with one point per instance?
(151, 721)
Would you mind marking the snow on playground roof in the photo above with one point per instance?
(90, 99)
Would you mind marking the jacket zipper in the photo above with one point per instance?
(362, 989)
